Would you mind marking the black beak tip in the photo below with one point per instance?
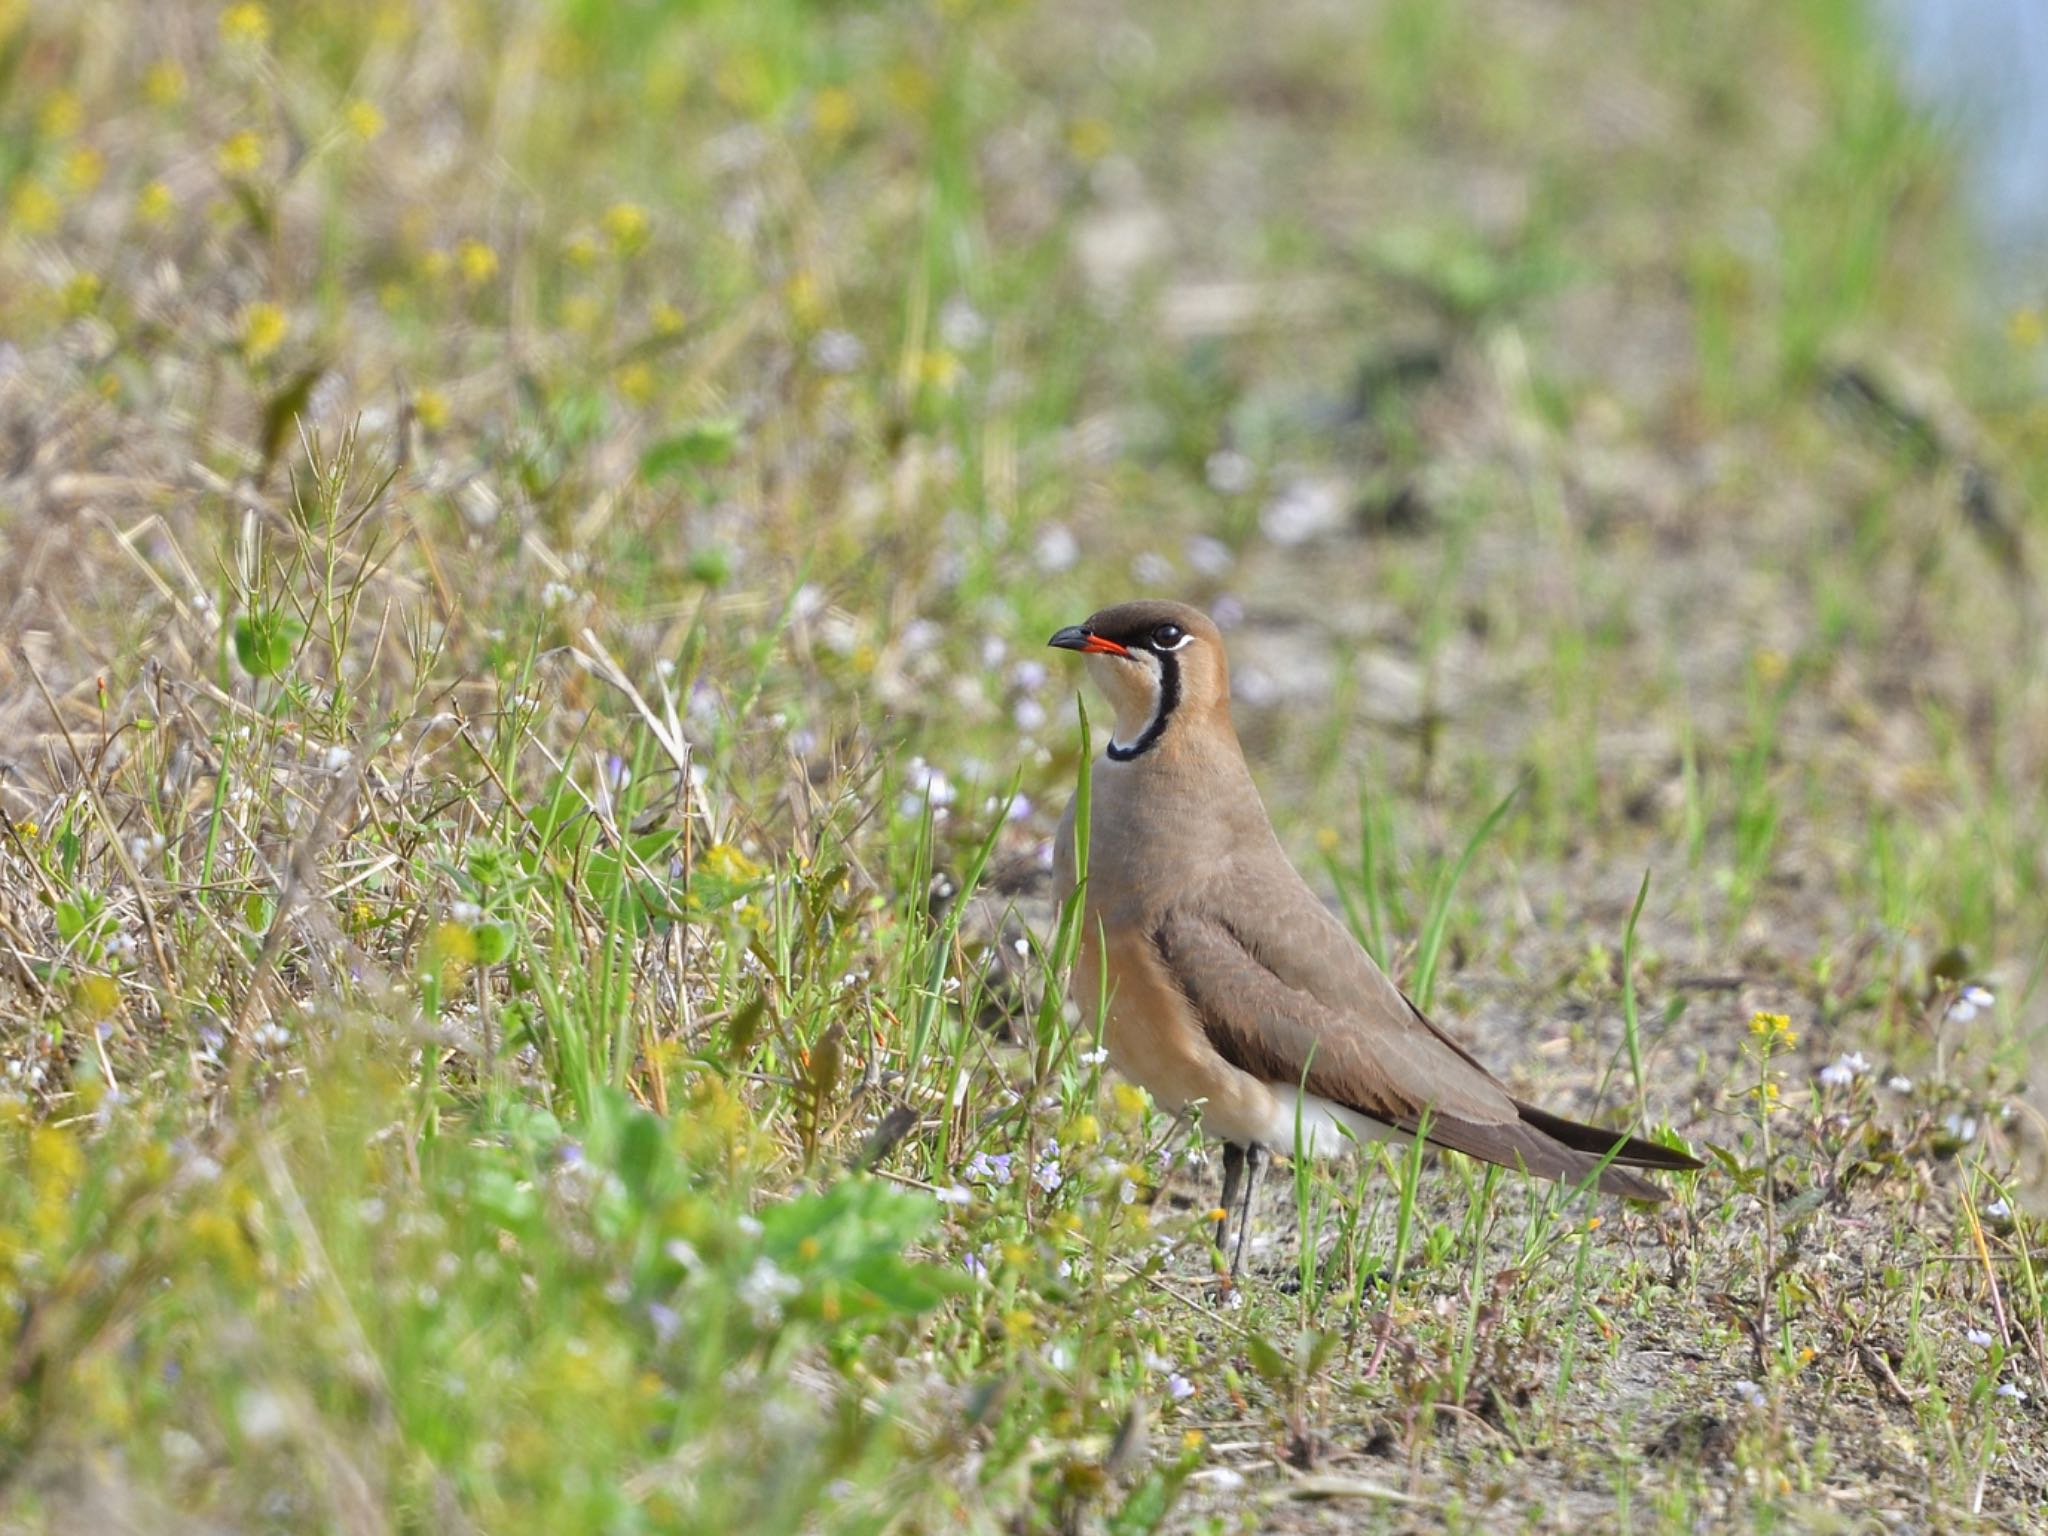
(1072, 638)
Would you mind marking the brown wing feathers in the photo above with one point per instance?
(1278, 1033)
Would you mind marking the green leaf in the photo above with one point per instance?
(697, 446)
(265, 640)
(1268, 1361)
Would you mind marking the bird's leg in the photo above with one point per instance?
(1233, 1170)
(1244, 1220)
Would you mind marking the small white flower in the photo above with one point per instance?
(262, 1415)
(1179, 1388)
(1228, 472)
(837, 352)
(1750, 1393)
(1028, 675)
(1899, 1084)
(1979, 997)
(1978, 1337)
(961, 327)
(974, 1265)
(1304, 510)
(1997, 1210)
(1094, 1058)
(749, 1225)
(1028, 715)
(681, 1253)
(337, 758)
(1059, 1356)
(1020, 810)
(1057, 550)
(468, 913)
(2007, 1390)
(764, 1289)
(807, 602)
(1959, 1125)
(1843, 1070)
(1207, 556)
(919, 635)
(993, 649)
(954, 1194)
(1152, 569)
(929, 783)
(1222, 1479)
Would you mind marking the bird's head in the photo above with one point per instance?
(1157, 662)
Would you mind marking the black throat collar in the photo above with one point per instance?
(1169, 699)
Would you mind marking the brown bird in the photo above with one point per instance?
(1230, 985)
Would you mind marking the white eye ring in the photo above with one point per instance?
(1185, 637)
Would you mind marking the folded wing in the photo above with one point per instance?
(1284, 993)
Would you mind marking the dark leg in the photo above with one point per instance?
(1233, 1170)
(1244, 1220)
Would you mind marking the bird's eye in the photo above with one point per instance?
(1167, 636)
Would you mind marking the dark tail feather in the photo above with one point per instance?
(1629, 1151)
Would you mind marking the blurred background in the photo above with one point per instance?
(527, 531)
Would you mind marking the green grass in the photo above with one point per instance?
(529, 995)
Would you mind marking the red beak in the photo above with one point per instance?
(1075, 638)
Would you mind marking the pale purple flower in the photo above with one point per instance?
(1179, 1388)
(1843, 1070)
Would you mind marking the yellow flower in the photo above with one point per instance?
(451, 947)
(478, 261)
(245, 25)
(806, 302)
(55, 1163)
(1018, 1323)
(392, 22)
(1774, 1029)
(84, 167)
(81, 293)
(744, 82)
(636, 383)
(581, 249)
(33, 209)
(835, 113)
(2026, 327)
(908, 86)
(579, 312)
(362, 119)
(1089, 139)
(241, 155)
(154, 203)
(163, 83)
(625, 225)
(263, 327)
(725, 862)
(940, 370)
(434, 264)
(60, 116)
(666, 320)
(431, 407)
(96, 997)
